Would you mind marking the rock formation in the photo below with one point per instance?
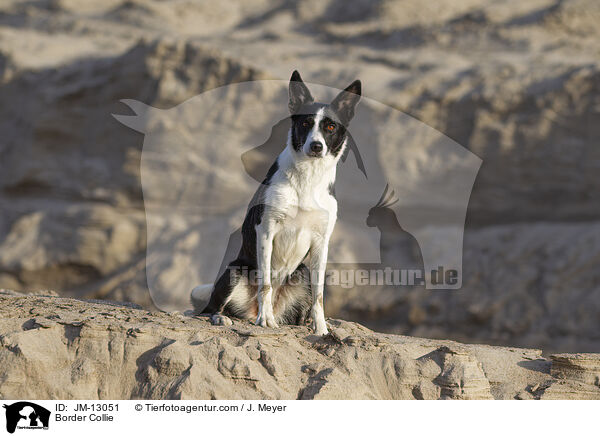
(52, 347)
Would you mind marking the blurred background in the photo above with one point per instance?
(515, 82)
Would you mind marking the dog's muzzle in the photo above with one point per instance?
(315, 149)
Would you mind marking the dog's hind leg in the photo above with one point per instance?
(200, 297)
(233, 295)
(293, 300)
(221, 295)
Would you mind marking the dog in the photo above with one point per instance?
(288, 223)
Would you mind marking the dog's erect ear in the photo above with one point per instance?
(346, 101)
(299, 93)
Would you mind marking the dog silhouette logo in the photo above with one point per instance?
(203, 160)
(26, 415)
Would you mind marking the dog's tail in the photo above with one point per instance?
(201, 296)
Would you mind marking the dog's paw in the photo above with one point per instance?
(218, 319)
(272, 323)
(264, 320)
(321, 332)
(320, 328)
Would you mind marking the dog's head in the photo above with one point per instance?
(319, 129)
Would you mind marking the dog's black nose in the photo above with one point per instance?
(316, 147)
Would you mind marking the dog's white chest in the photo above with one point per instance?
(290, 246)
(292, 242)
(298, 200)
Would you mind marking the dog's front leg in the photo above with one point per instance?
(264, 250)
(318, 260)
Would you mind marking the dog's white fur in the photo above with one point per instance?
(300, 214)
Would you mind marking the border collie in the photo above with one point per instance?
(289, 221)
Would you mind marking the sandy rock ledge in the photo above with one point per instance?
(53, 347)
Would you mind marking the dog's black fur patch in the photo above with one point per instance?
(303, 123)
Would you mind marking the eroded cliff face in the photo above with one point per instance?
(53, 347)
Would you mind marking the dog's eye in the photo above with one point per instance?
(307, 122)
(330, 127)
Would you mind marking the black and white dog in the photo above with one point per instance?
(289, 220)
